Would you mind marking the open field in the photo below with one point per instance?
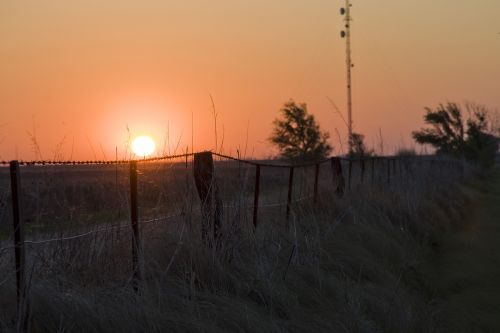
(346, 264)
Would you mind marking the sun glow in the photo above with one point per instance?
(143, 146)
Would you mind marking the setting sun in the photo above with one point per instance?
(143, 146)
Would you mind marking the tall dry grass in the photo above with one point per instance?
(341, 265)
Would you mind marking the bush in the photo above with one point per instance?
(298, 136)
(448, 134)
(406, 152)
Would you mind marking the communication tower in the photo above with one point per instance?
(346, 12)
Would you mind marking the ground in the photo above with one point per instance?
(465, 271)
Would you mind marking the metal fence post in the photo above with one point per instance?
(134, 219)
(256, 196)
(22, 303)
(290, 188)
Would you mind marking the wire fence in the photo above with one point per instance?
(97, 162)
(368, 170)
(72, 202)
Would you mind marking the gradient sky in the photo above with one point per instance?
(74, 74)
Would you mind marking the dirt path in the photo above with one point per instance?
(466, 272)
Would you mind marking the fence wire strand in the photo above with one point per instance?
(228, 157)
(91, 232)
(99, 162)
(170, 157)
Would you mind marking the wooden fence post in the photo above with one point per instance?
(290, 189)
(22, 301)
(338, 176)
(316, 178)
(211, 203)
(256, 196)
(134, 219)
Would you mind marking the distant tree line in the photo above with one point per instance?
(474, 137)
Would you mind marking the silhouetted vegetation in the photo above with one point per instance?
(298, 136)
(358, 147)
(450, 134)
(406, 152)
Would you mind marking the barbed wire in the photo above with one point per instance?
(328, 159)
(272, 165)
(186, 155)
(155, 220)
(91, 232)
(246, 161)
(163, 218)
(98, 162)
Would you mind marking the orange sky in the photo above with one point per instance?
(76, 73)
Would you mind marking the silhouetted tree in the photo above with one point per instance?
(450, 136)
(359, 149)
(447, 129)
(297, 134)
(480, 146)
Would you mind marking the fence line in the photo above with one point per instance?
(207, 189)
(98, 162)
(228, 157)
(271, 165)
(254, 163)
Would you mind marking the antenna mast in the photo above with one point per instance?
(346, 11)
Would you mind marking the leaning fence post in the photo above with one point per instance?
(134, 219)
(211, 203)
(316, 177)
(256, 196)
(22, 303)
(290, 188)
(337, 174)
